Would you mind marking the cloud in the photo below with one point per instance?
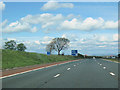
(37, 42)
(27, 23)
(103, 38)
(46, 19)
(49, 22)
(18, 27)
(52, 5)
(2, 6)
(115, 37)
(88, 24)
(85, 43)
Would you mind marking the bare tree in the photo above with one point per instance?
(50, 47)
(59, 44)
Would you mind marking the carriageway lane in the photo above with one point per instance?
(36, 78)
(85, 73)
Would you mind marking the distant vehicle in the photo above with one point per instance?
(93, 57)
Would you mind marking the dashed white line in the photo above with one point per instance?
(104, 67)
(68, 69)
(57, 75)
(111, 73)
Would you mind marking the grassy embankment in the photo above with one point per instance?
(11, 59)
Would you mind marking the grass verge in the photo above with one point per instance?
(114, 60)
(12, 59)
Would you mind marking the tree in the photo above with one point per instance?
(60, 44)
(50, 47)
(80, 55)
(21, 47)
(10, 45)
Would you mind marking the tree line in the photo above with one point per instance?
(12, 45)
(57, 44)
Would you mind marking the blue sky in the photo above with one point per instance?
(92, 27)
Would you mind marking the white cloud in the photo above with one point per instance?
(110, 25)
(37, 42)
(11, 39)
(88, 24)
(102, 46)
(82, 42)
(115, 37)
(18, 27)
(26, 23)
(46, 19)
(34, 29)
(2, 5)
(103, 38)
(52, 5)
(50, 22)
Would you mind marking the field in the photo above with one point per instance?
(11, 59)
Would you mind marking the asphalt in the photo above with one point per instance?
(86, 73)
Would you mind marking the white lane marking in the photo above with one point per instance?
(74, 65)
(68, 69)
(112, 73)
(104, 67)
(57, 75)
(35, 69)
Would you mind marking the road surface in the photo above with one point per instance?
(86, 73)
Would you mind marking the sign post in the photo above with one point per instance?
(48, 53)
(74, 52)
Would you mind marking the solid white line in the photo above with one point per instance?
(112, 73)
(68, 69)
(26, 72)
(35, 69)
(104, 67)
(57, 75)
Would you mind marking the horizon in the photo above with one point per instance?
(91, 27)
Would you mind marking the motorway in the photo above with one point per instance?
(86, 73)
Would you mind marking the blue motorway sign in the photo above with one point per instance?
(48, 53)
(74, 52)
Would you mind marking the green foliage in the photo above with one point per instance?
(21, 47)
(11, 45)
(80, 55)
(11, 59)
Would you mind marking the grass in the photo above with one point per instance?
(114, 60)
(12, 59)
